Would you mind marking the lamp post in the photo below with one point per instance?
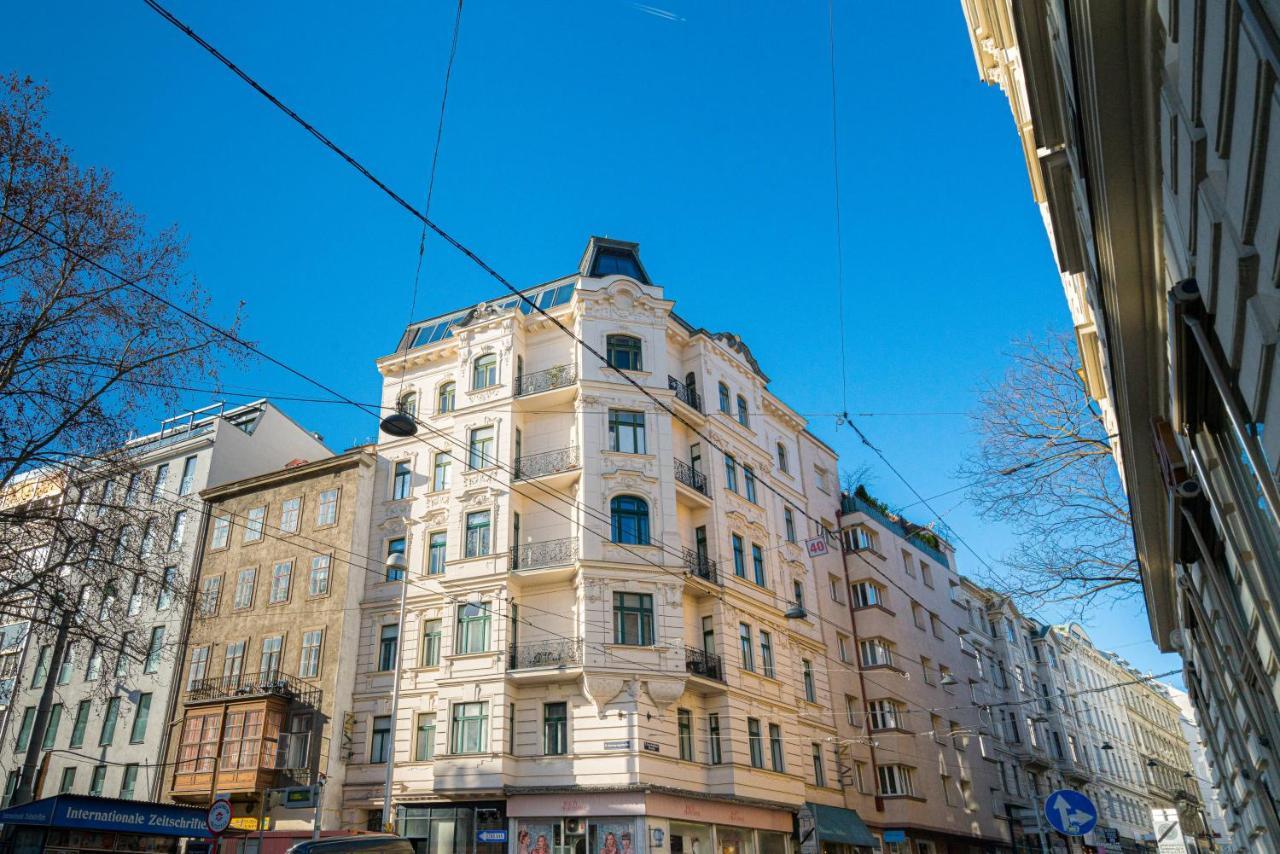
(395, 561)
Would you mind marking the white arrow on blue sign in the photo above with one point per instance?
(1070, 812)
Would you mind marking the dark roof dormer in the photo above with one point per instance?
(605, 257)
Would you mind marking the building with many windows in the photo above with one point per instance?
(1151, 139)
(106, 730)
(598, 542)
(271, 653)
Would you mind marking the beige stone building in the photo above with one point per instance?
(270, 657)
(1151, 139)
(924, 755)
(596, 652)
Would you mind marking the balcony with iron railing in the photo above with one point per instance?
(242, 686)
(686, 395)
(547, 463)
(548, 553)
(691, 477)
(559, 376)
(699, 662)
(551, 653)
(701, 566)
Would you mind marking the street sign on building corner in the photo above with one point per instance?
(219, 818)
(1070, 812)
(816, 546)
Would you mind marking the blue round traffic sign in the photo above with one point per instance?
(1070, 812)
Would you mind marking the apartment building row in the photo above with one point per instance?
(1148, 130)
(592, 604)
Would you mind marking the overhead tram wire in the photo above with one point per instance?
(835, 167)
(467, 252)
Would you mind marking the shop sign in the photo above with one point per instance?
(249, 822)
(153, 819)
(895, 836)
(816, 546)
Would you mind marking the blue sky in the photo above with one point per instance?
(704, 135)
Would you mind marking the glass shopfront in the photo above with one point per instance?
(618, 835)
(451, 829)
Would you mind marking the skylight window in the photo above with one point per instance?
(610, 261)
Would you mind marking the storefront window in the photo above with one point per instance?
(735, 840)
(612, 836)
(773, 843)
(690, 838)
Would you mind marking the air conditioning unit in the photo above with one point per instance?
(575, 826)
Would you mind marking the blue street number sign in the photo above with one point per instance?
(1070, 812)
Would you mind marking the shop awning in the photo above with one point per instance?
(85, 812)
(837, 824)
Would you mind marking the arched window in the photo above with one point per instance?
(408, 404)
(782, 458)
(484, 372)
(724, 398)
(630, 518)
(743, 418)
(444, 398)
(624, 352)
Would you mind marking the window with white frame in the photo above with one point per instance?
(895, 780)
(327, 510)
(885, 714)
(281, 576)
(256, 521)
(309, 662)
(221, 532)
(290, 511)
(318, 579)
(876, 652)
(866, 594)
(245, 581)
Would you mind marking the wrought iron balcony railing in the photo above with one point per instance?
(701, 566)
(549, 462)
(266, 683)
(553, 653)
(548, 553)
(556, 377)
(691, 477)
(699, 662)
(685, 394)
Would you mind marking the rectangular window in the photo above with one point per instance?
(24, 730)
(806, 671)
(388, 644)
(281, 575)
(730, 473)
(400, 480)
(473, 629)
(441, 470)
(221, 532)
(884, 714)
(895, 780)
(766, 654)
(851, 709)
(81, 721)
(739, 557)
(684, 733)
(210, 595)
(756, 742)
(776, 758)
(469, 728)
(42, 666)
(713, 730)
(633, 619)
(68, 664)
(876, 653)
(926, 574)
(749, 482)
(424, 741)
(160, 482)
(318, 579)
(626, 431)
(122, 654)
(436, 553)
(178, 532)
(866, 594)
(477, 533)
(154, 649)
(555, 729)
(244, 588)
(108, 732)
(257, 518)
(141, 713)
(744, 647)
(129, 781)
(819, 772)
(233, 661)
(430, 643)
(188, 476)
(68, 780)
(836, 586)
(309, 663)
(272, 653)
(480, 451)
(199, 666)
(327, 508)
(724, 398)
(380, 739)
(757, 565)
(395, 571)
(290, 513)
(789, 523)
